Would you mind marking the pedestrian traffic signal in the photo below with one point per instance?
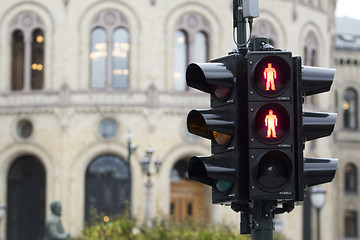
(257, 127)
(272, 137)
(220, 124)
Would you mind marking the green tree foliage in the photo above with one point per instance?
(125, 228)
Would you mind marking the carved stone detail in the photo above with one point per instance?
(264, 29)
(110, 19)
(27, 22)
(192, 23)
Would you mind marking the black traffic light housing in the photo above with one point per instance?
(272, 136)
(313, 125)
(220, 124)
(257, 127)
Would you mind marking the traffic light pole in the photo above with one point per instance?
(239, 21)
(263, 220)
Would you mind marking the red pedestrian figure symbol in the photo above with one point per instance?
(270, 76)
(271, 122)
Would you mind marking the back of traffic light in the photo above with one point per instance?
(313, 125)
(221, 125)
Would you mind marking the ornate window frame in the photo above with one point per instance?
(350, 173)
(110, 174)
(351, 224)
(350, 108)
(194, 28)
(32, 30)
(111, 21)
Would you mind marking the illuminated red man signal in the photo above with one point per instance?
(271, 122)
(270, 76)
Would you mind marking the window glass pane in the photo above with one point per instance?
(120, 56)
(26, 190)
(200, 49)
(17, 71)
(37, 63)
(350, 178)
(311, 49)
(107, 187)
(24, 128)
(351, 224)
(26, 167)
(108, 128)
(98, 58)
(350, 109)
(108, 166)
(180, 60)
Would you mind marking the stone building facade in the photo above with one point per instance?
(346, 62)
(77, 76)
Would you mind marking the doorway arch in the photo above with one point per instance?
(107, 186)
(26, 185)
(188, 199)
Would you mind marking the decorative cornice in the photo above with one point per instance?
(95, 100)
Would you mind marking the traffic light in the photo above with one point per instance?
(257, 127)
(272, 135)
(220, 124)
(313, 125)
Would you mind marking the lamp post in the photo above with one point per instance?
(317, 197)
(2, 214)
(145, 166)
(131, 150)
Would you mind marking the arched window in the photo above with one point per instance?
(310, 50)
(180, 59)
(191, 44)
(120, 56)
(107, 186)
(37, 62)
(310, 59)
(350, 178)
(17, 65)
(350, 109)
(200, 53)
(350, 224)
(26, 188)
(109, 51)
(98, 58)
(28, 51)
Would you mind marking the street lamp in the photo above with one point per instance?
(317, 197)
(2, 214)
(145, 166)
(131, 150)
(131, 147)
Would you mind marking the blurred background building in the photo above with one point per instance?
(82, 82)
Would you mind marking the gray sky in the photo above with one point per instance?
(348, 8)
